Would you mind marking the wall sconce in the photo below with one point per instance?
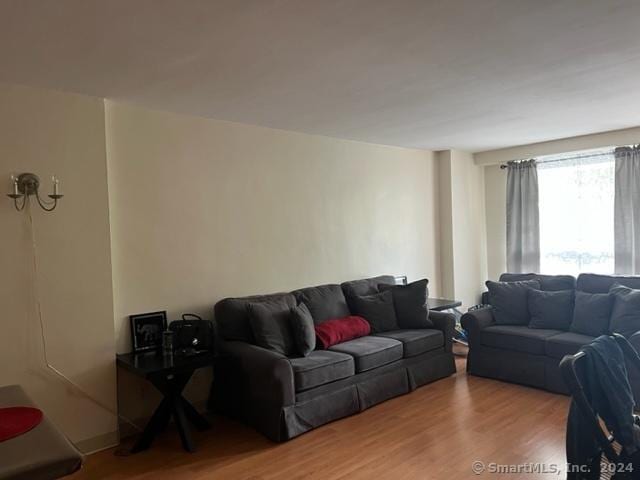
(26, 185)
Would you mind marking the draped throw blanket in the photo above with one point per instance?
(627, 210)
(523, 217)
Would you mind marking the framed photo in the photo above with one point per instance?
(146, 330)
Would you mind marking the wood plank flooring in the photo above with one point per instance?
(435, 432)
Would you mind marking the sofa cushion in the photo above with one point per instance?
(509, 301)
(520, 338)
(594, 283)
(591, 313)
(625, 310)
(341, 330)
(415, 342)
(302, 329)
(548, 283)
(271, 327)
(320, 367)
(410, 303)
(366, 286)
(566, 343)
(551, 309)
(325, 302)
(370, 352)
(378, 310)
(232, 315)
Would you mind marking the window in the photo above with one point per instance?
(576, 194)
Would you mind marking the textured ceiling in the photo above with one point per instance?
(467, 74)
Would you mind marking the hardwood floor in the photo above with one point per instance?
(435, 432)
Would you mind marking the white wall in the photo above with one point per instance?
(446, 192)
(196, 210)
(203, 209)
(627, 136)
(469, 235)
(496, 220)
(45, 132)
(462, 217)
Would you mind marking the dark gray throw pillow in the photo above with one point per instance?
(509, 301)
(410, 303)
(271, 328)
(591, 314)
(302, 327)
(378, 311)
(625, 310)
(553, 310)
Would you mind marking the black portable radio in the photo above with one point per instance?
(192, 334)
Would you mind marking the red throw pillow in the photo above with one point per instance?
(340, 330)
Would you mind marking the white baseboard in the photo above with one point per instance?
(96, 444)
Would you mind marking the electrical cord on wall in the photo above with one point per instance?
(48, 365)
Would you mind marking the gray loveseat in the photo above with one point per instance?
(284, 397)
(530, 356)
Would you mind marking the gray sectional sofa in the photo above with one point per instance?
(530, 356)
(284, 397)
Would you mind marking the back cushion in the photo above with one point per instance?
(591, 313)
(552, 310)
(271, 327)
(366, 286)
(625, 310)
(325, 302)
(510, 301)
(232, 314)
(594, 283)
(548, 283)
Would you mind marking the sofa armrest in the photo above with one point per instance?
(266, 375)
(446, 322)
(473, 322)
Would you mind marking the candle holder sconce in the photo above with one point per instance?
(26, 185)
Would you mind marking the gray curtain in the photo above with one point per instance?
(627, 210)
(523, 217)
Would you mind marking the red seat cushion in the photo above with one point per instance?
(341, 330)
(15, 421)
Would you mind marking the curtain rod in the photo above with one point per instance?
(575, 157)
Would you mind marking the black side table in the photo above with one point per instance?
(442, 305)
(169, 375)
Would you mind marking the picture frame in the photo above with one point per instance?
(146, 330)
